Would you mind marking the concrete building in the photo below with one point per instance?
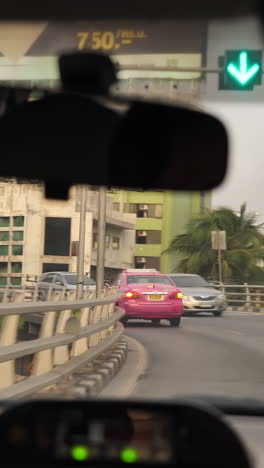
(160, 216)
(39, 235)
(120, 236)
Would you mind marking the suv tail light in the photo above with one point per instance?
(132, 295)
(177, 295)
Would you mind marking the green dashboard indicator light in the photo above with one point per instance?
(80, 453)
(129, 455)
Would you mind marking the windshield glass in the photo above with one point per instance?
(148, 279)
(189, 281)
(201, 343)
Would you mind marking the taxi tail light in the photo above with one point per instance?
(176, 295)
(132, 295)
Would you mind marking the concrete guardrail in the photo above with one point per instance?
(66, 342)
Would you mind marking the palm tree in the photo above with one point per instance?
(245, 242)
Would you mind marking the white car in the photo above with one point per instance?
(198, 294)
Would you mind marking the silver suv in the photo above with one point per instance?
(59, 280)
(198, 294)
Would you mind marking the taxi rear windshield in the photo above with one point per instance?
(148, 279)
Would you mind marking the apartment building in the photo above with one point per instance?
(39, 235)
(160, 216)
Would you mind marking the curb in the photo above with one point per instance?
(245, 309)
(91, 380)
(126, 381)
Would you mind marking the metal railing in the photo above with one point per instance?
(71, 334)
(244, 295)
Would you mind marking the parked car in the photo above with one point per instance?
(149, 294)
(198, 294)
(60, 280)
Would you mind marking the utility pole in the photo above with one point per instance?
(101, 241)
(81, 247)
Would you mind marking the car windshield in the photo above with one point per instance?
(189, 281)
(133, 279)
(182, 344)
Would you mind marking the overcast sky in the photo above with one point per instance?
(245, 180)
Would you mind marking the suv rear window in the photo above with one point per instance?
(148, 279)
(72, 280)
(47, 279)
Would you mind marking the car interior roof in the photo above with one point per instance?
(81, 9)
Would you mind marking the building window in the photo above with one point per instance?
(18, 236)
(95, 240)
(116, 206)
(3, 281)
(4, 236)
(115, 242)
(3, 249)
(16, 281)
(17, 249)
(4, 221)
(148, 237)
(3, 267)
(57, 236)
(18, 221)
(153, 262)
(147, 262)
(130, 208)
(140, 262)
(143, 210)
(155, 211)
(16, 267)
(46, 267)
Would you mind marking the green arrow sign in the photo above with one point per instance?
(242, 69)
(243, 72)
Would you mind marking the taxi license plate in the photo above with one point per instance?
(206, 306)
(155, 297)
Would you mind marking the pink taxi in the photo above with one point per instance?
(151, 295)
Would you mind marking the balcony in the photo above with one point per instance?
(147, 250)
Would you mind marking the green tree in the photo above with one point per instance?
(245, 246)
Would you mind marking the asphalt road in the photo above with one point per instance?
(206, 355)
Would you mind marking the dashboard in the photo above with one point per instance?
(100, 433)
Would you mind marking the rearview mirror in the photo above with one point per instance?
(168, 147)
(66, 139)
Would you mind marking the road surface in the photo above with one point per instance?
(206, 355)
